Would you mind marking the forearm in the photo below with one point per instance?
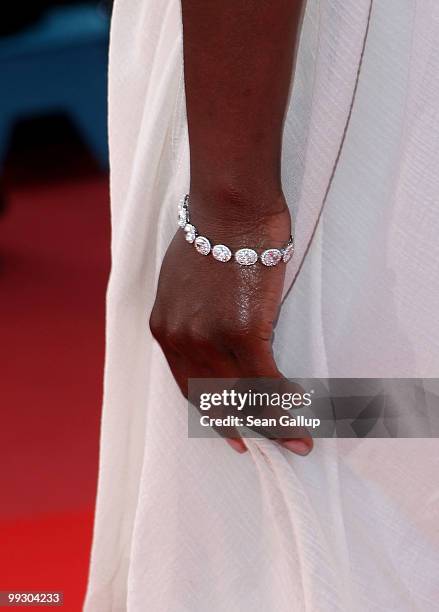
(238, 57)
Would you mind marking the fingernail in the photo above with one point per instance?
(296, 446)
(237, 445)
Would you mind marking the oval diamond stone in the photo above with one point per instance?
(288, 252)
(221, 252)
(246, 257)
(202, 245)
(271, 257)
(182, 217)
(189, 230)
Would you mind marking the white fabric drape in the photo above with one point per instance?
(188, 525)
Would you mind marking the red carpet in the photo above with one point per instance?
(47, 553)
(54, 263)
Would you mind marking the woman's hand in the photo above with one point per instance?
(215, 320)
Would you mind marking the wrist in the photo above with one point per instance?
(241, 201)
(242, 215)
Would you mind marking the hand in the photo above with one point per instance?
(215, 320)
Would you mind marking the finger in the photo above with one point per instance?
(182, 370)
(298, 446)
(237, 444)
(262, 365)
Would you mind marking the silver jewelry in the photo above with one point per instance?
(221, 252)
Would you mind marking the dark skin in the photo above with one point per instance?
(213, 319)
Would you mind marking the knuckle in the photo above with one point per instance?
(156, 325)
(183, 335)
(191, 337)
(166, 335)
(172, 336)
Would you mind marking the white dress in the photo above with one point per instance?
(187, 525)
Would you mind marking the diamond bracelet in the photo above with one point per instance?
(221, 252)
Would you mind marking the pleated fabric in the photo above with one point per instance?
(185, 525)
